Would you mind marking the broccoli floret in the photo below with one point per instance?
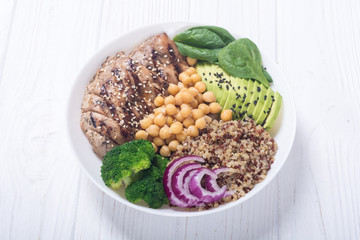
(161, 163)
(150, 187)
(143, 146)
(124, 163)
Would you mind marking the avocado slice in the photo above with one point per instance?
(247, 98)
(200, 69)
(209, 77)
(236, 105)
(255, 97)
(274, 112)
(220, 84)
(266, 106)
(260, 103)
(231, 102)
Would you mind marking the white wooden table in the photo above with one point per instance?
(45, 195)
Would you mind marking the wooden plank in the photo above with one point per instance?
(7, 13)
(319, 55)
(39, 176)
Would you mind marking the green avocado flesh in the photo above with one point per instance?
(219, 88)
(255, 97)
(260, 102)
(274, 112)
(243, 96)
(249, 91)
(265, 110)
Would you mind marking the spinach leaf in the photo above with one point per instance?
(267, 75)
(242, 58)
(209, 55)
(221, 32)
(201, 38)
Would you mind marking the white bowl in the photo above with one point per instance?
(283, 131)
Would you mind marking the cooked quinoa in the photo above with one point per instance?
(246, 148)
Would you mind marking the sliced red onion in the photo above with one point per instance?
(204, 195)
(178, 187)
(170, 171)
(211, 184)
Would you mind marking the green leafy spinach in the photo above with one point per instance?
(201, 38)
(242, 58)
(209, 55)
(222, 33)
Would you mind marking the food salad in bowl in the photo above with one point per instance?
(183, 122)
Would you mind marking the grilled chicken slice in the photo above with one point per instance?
(123, 90)
(160, 55)
(105, 126)
(100, 143)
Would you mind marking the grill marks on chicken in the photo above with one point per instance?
(122, 91)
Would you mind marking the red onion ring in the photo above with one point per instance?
(204, 195)
(178, 186)
(169, 173)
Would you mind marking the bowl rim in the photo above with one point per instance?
(115, 195)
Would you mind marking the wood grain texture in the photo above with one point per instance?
(45, 195)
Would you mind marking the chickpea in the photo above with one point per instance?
(169, 120)
(171, 109)
(179, 117)
(187, 97)
(195, 78)
(141, 135)
(185, 110)
(193, 91)
(164, 132)
(146, 122)
(214, 107)
(181, 85)
(194, 104)
(205, 108)
(183, 90)
(200, 123)
(197, 113)
(165, 151)
(173, 145)
(176, 128)
(199, 98)
(226, 115)
(169, 100)
(200, 86)
(178, 99)
(159, 101)
(209, 97)
(158, 141)
(160, 120)
(151, 116)
(190, 71)
(153, 130)
(188, 122)
(155, 147)
(181, 136)
(185, 78)
(191, 61)
(160, 110)
(192, 131)
(171, 138)
(187, 81)
(173, 89)
(208, 119)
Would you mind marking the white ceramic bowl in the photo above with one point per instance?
(283, 130)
